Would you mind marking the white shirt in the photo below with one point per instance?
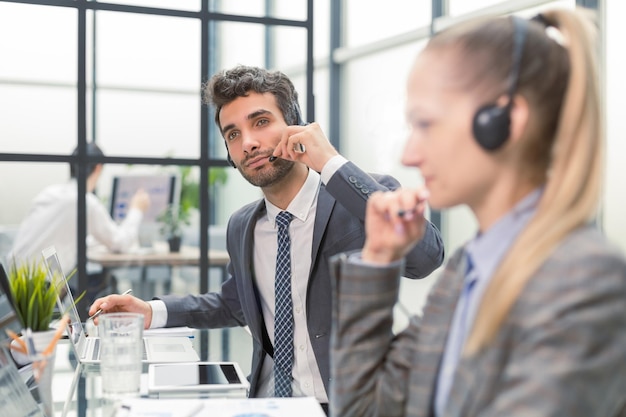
(52, 221)
(307, 380)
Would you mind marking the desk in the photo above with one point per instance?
(160, 256)
(77, 390)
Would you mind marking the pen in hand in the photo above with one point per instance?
(97, 313)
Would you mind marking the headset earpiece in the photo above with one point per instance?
(299, 119)
(491, 125)
(228, 158)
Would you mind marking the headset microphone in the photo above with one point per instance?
(492, 123)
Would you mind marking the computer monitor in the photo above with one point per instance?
(163, 190)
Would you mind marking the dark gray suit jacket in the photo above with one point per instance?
(339, 227)
(561, 351)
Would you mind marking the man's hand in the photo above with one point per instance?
(307, 144)
(116, 303)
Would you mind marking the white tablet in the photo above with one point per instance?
(197, 377)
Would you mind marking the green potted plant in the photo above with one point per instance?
(35, 296)
(172, 220)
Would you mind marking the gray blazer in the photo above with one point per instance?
(560, 352)
(339, 227)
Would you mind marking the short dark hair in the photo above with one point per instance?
(227, 85)
(92, 150)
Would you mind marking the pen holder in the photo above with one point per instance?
(41, 340)
(43, 369)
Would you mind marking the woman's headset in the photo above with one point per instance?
(492, 123)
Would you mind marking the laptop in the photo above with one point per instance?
(8, 315)
(87, 348)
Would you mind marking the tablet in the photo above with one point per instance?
(197, 377)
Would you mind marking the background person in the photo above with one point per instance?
(529, 317)
(257, 113)
(51, 220)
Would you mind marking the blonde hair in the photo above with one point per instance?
(572, 161)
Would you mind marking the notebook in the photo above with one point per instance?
(87, 348)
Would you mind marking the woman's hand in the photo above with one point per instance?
(394, 223)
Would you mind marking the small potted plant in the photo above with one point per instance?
(172, 220)
(35, 298)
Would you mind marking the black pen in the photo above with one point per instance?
(97, 313)
(298, 147)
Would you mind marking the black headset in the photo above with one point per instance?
(299, 121)
(492, 123)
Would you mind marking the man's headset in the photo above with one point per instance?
(299, 121)
(492, 123)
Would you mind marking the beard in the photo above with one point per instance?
(268, 176)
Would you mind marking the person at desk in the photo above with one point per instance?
(51, 220)
(529, 317)
(314, 203)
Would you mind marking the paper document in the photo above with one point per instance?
(170, 331)
(266, 407)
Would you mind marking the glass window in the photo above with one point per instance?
(136, 123)
(460, 7)
(189, 5)
(42, 44)
(163, 54)
(280, 9)
(240, 43)
(37, 118)
(290, 46)
(367, 21)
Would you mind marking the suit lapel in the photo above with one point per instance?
(325, 204)
(434, 329)
(251, 297)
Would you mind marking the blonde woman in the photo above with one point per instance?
(529, 317)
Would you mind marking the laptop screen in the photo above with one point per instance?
(75, 330)
(8, 315)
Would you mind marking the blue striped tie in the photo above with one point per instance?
(283, 320)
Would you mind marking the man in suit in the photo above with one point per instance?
(298, 171)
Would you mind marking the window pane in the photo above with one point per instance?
(139, 51)
(282, 9)
(189, 5)
(239, 43)
(37, 118)
(459, 7)
(368, 21)
(155, 124)
(290, 47)
(38, 44)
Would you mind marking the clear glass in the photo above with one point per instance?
(121, 351)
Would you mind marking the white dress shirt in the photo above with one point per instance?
(52, 221)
